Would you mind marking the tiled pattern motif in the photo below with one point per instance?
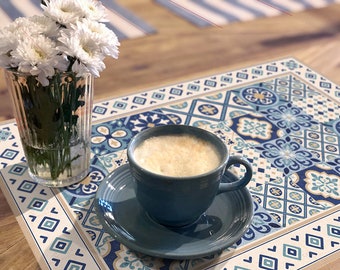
(60, 243)
(11, 150)
(293, 248)
(211, 84)
(277, 124)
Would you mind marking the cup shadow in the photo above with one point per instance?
(129, 220)
(204, 227)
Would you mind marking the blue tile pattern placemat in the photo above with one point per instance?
(122, 21)
(220, 12)
(273, 114)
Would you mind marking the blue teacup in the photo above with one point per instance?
(180, 200)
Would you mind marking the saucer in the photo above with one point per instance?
(118, 210)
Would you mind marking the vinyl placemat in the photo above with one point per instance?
(272, 114)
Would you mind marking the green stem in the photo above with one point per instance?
(52, 122)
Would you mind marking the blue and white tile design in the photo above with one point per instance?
(336, 126)
(335, 164)
(115, 135)
(259, 96)
(286, 201)
(61, 243)
(255, 129)
(320, 140)
(292, 248)
(289, 118)
(287, 155)
(269, 113)
(321, 182)
(11, 150)
(314, 105)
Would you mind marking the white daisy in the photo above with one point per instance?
(38, 56)
(94, 10)
(103, 36)
(68, 36)
(44, 25)
(9, 39)
(63, 11)
(85, 50)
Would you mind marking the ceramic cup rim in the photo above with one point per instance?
(172, 127)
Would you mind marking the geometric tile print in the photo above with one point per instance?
(285, 201)
(219, 107)
(254, 129)
(290, 216)
(314, 104)
(54, 231)
(320, 182)
(294, 248)
(319, 140)
(335, 164)
(258, 96)
(292, 89)
(289, 88)
(115, 135)
(287, 155)
(263, 170)
(280, 196)
(294, 212)
(235, 144)
(336, 126)
(200, 112)
(4, 134)
(10, 147)
(88, 186)
(288, 117)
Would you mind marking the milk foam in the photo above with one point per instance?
(177, 155)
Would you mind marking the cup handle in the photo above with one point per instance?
(238, 183)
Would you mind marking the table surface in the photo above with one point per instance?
(179, 50)
(311, 37)
(295, 219)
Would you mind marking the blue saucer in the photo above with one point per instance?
(118, 210)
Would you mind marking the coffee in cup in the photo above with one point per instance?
(177, 155)
(177, 172)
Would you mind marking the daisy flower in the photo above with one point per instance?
(10, 36)
(7, 42)
(63, 11)
(68, 36)
(106, 39)
(94, 10)
(87, 54)
(43, 25)
(38, 56)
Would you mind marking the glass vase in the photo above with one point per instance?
(54, 124)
